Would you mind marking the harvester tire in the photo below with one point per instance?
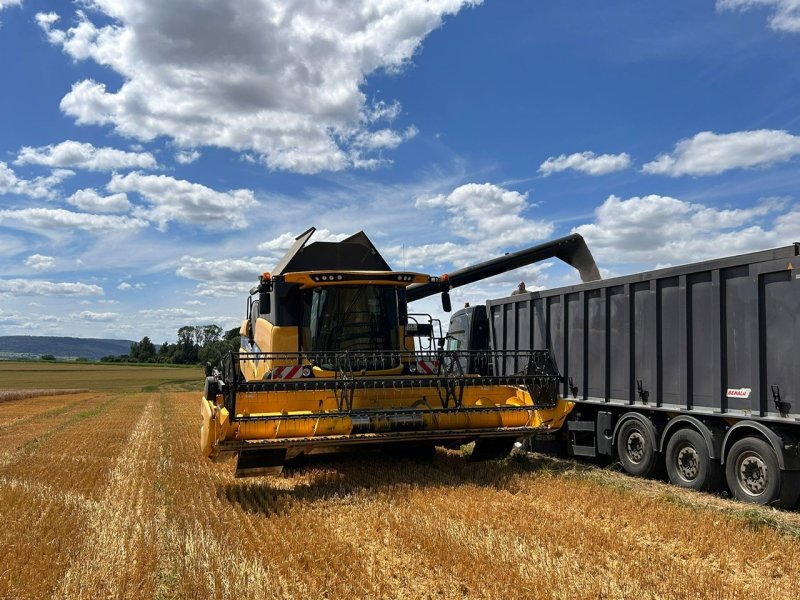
(491, 448)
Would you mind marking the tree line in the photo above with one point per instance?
(196, 344)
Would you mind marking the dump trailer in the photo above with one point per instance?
(330, 360)
(692, 369)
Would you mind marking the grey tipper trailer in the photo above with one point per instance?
(695, 368)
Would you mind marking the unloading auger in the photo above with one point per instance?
(330, 361)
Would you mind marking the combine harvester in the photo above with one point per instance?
(330, 361)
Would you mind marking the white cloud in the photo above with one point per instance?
(124, 286)
(383, 139)
(221, 271)
(785, 15)
(662, 230)
(84, 156)
(37, 287)
(90, 200)
(709, 153)
(427, 256)
(95, 317)
(484, 211)
(167, 312)
(490, 219)
(45, 219)
(281, 79)
(7, 3)
(39, 262)
(586, 162)
(283, 242)
(186, 157)
(40, 187)
(173, 199)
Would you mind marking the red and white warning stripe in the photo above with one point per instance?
(428, 367)
(287, 372)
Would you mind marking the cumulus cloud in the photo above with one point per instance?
(285, 240)
(90, 200)
(784, 14)
(709, 153)
(586, 162)
(383, 139)
(478, 211)
(663, 230)
(80, 155)
(57, 218)
(38, 287)
(167, 312)
(95, 317)
(221, 271)
(279, 79)
(39, 262)
(186, 157)
(39, 187)
(178, 200)
(488, 217)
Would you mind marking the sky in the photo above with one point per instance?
(155, 157)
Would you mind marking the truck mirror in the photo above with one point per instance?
(264, 305)
(446, 306)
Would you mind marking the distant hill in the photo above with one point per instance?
(32, 346)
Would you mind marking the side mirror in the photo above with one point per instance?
(446, 306)
(264, 302)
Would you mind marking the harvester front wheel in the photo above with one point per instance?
(491, 448)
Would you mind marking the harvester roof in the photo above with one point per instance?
(356, 253)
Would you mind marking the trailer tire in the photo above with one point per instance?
(754, 476)
(689, 463)
(636, 448)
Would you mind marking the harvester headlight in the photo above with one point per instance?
(412, 367)
(339, 277)
(306, 371)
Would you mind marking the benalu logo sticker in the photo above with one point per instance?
(739, 393)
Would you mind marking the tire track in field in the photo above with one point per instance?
(30, 446)
(42, 491)
(46, 413)
(116, 561)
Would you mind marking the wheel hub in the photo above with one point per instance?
(688, 463)
(753, 473)
(635, 447)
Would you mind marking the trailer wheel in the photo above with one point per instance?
(689, 464)
(754, 476)
(636, 448)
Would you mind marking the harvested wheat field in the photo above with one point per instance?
(104, 495)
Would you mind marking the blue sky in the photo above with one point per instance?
(155, 157)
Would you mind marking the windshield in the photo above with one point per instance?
(457, 334)
(358, 318)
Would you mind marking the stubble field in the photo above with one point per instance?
(104, 495)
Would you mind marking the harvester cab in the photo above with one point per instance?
(332, 360)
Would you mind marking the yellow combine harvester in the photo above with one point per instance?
(330, 360)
